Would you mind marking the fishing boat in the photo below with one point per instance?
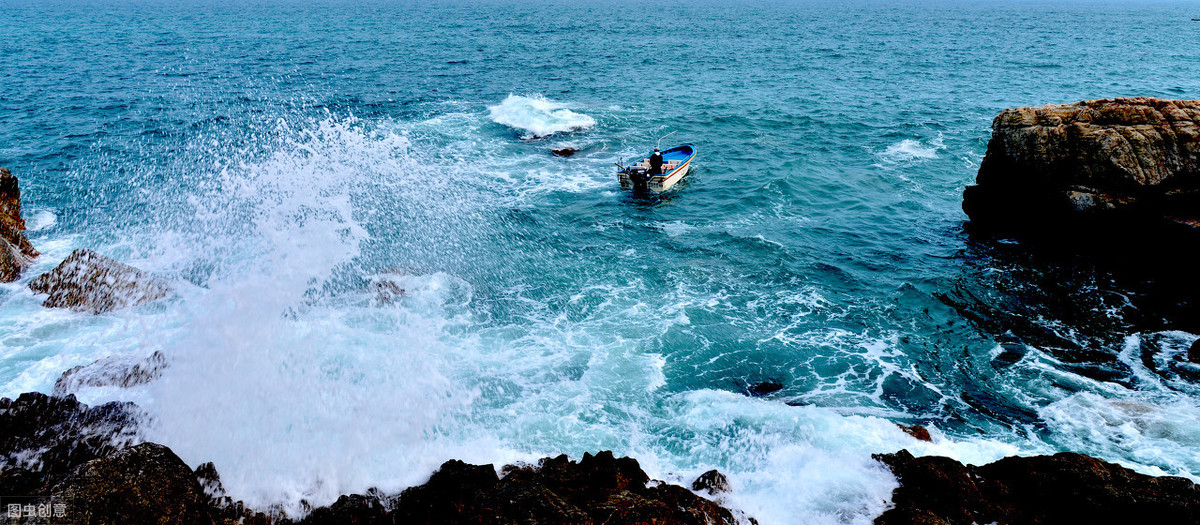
(677, 161)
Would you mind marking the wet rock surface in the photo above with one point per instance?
(89, 282)
(44, 438)
(712, 482)
(1063, 488)
(917, 431)
(596, 489)
(1126, 162)
(111, 371)
(146, 483)
(16, 252)
(59, 453)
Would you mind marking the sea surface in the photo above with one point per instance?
(290, 165)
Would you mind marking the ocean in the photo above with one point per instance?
(289, 164)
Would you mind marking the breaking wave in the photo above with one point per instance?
(538, 117)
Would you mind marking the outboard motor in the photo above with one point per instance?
(640, 179)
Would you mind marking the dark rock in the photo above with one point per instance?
(917, 431)
(57, 451)
(1063, 488)
(43, 438)
(1114, 163)
(210, 481)
(764, 388)
(1194, 352)
(597, 489)
(712, 482)
(16, 252)
(89, 282)
(456, 489)
(111, 371)
(564, 152)
(146, 483)
(355, 509)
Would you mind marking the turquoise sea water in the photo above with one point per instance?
(281, 159)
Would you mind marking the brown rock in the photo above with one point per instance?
(564, 152)
(1194, 352)
(597, 489)
(917, 431)
(146, 483)
(89, 282)
(15, 250)
(1130, 160)
(1063, 488)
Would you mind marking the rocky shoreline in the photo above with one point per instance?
(65, 462)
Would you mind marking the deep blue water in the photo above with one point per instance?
(276, 159)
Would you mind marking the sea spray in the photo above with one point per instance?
(537, 116)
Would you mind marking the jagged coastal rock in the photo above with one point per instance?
(43, 438)
(1063, 488)
(145, 483)
(89, 466)
(1132, 162)
(89, 282)
(118, 371)
(15, 251)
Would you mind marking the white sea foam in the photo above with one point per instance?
(41, 220)
(537, 116)
(913, 149)
(676, 228)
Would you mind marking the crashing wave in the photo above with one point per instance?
(538, 117)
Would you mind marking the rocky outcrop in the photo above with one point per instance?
(43, 438)
(89, 282)
(118, 371)
(597, 489)
(712, 482)
(146, 483)
(15, 250)
(917, 431)
(1130, 162)
(1063, 488)
(56, 453)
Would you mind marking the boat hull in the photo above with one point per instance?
(664, 182)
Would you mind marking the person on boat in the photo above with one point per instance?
(656, 163)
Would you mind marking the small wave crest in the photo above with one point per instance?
(911, 149)
(538, 117)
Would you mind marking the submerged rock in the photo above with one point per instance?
(1194, 352)
(764, 388)
(564, 152)
(15, 250)
(1129, 162)
(89, 282)
(1063, 488)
